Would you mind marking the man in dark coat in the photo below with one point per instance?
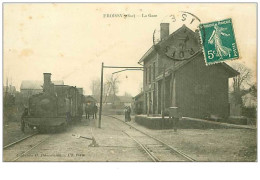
(125, 110)
(87, 111)
(129, 113)
(25, 113)
(95, 111)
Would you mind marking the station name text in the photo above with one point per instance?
(149, 15)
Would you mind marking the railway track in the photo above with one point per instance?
(18, 149)
(147, 151)
(18, 141)
(156, 149)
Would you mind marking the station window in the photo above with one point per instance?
(146, 76)
(150, 74)
(153, 71)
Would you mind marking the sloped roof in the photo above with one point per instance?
(90, 98)
(59, 82)
(28, 84)
(125, 99)
(110, 99)
(152, 49)
(139, 95)
(232, 72)
(178, 64)
(31, 85)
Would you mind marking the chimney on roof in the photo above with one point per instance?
(164, 31)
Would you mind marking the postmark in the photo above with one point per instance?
(183, 47)
(218, 41)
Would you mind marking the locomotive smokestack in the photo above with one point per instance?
(47, 78)
(47, 81)
(164, 31)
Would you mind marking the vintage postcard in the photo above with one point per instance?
(129, 82)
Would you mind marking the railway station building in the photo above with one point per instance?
(176, 75)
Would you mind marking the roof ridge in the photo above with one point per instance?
(151, 49)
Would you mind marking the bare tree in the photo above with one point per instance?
(95, 86)
(243, 79)
(110, 87)
(112, 83)
(241, 83)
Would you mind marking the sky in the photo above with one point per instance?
(71, 40)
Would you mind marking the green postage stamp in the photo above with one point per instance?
(218, 41)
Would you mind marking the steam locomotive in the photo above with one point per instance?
(55, 107)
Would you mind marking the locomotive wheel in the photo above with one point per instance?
(62, 127)
(31, 127)
(42, 129)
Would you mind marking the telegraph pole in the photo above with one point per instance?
(101, 87)
(101, 97)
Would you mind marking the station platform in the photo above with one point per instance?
(186, 123)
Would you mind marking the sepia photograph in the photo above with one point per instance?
(129, 82)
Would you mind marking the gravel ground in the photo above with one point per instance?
(210, 144)
(214, 145)
(12, 132)
(114, 145)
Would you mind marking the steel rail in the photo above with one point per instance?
(30, 149)
(151, 155)
(20, 140)
(169, 146)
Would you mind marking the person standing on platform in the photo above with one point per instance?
(86, 111)
(129, 113)
(125, 111)
(95, 111)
